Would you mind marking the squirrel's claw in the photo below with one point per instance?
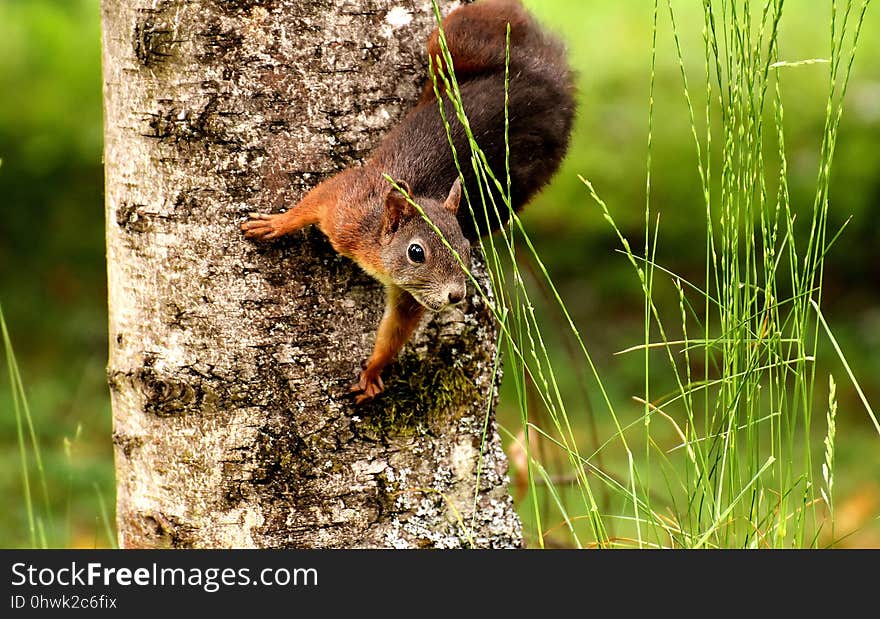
(368, 387)
(262, 227)
(362, 398)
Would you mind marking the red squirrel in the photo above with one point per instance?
(371, 222)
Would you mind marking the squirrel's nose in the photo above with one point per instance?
(456, 296)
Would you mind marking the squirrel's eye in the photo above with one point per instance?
(416, 253)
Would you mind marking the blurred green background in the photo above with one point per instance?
(52, 271)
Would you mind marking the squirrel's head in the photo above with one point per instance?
(414, 254)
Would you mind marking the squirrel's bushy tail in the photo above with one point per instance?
(476, 35)
(541, 92)
(539, 116)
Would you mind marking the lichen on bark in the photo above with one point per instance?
(230, 363)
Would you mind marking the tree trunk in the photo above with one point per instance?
(230, 363)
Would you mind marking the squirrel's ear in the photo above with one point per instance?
(454, 200)
(397, 208)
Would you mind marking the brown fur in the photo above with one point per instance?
(374, 224)
(402, 316)
(472, 56)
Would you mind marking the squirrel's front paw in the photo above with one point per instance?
(368, 387)
(263, 227)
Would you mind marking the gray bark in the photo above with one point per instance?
(230, 363)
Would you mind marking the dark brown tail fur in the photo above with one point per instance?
(541, 112)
